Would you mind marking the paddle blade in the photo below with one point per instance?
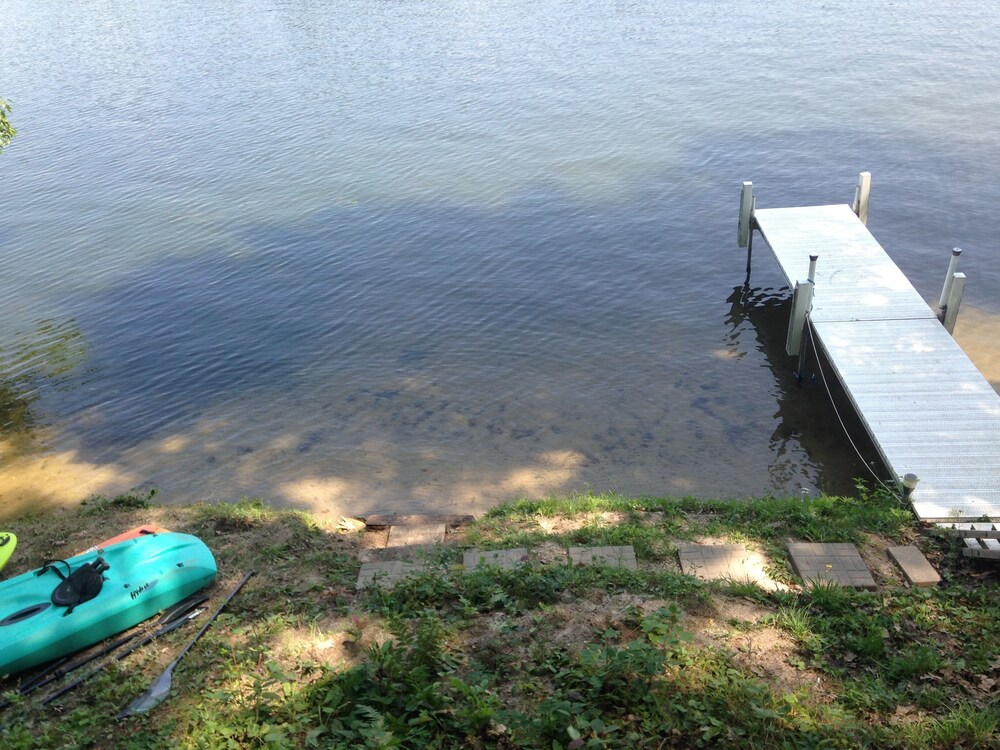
(153, 697)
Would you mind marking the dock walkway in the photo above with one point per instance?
(925, 405)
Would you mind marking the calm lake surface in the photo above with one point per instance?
(422, 255)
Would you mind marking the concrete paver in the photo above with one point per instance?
(726, 562)
(836, 563)
(416, 535)
(914, 565)
(386, 574)
(503, 558)
(613, 557)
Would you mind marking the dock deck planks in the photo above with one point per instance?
(925, 405)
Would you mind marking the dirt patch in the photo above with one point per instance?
(652, 518)
(765, 653)
(374, 538)
(668, 563)
(567, 626)
(730, 608)
(548, 553)
(874, 551)
(563, 525)
(739, 631)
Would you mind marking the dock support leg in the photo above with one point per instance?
(745, 235)
(949, 279)
(798, 324)
(861, 193)
(954, 302)
(800, 370)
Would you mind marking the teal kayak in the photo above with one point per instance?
(44, 616)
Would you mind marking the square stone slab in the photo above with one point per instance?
(726, 562)
(915, 567)
(503, 558)
(415, 536)
(837, 563)
(386, 574)
(613, 557)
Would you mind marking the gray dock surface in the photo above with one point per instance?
(925, 405)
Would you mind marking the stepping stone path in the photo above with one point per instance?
(726, 562)
(915, 567)
(836, 563)
(501, 558)
(612, 557)
(403, 534)
(388, 573)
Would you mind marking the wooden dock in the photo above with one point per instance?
(925, 405)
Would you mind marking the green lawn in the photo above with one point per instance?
(548, 655)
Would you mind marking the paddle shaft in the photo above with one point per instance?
(211, 619)
(60, 669)
(161, 685)
(169, 627)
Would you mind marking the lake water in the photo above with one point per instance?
(429, 255)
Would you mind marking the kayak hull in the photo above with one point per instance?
(146, 575)
(126, 535)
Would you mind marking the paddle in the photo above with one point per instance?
(160, 688)
(168, 628)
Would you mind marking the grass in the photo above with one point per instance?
(548, 655)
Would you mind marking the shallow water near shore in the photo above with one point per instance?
(425, 257)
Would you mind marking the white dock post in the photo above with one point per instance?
(861, 193)
(801, 305)
(746, 211)
(949, 279)
(954, 302)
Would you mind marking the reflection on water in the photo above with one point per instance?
(806, 415)
(45, 358)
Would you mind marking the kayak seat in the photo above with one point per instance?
(80, 586)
